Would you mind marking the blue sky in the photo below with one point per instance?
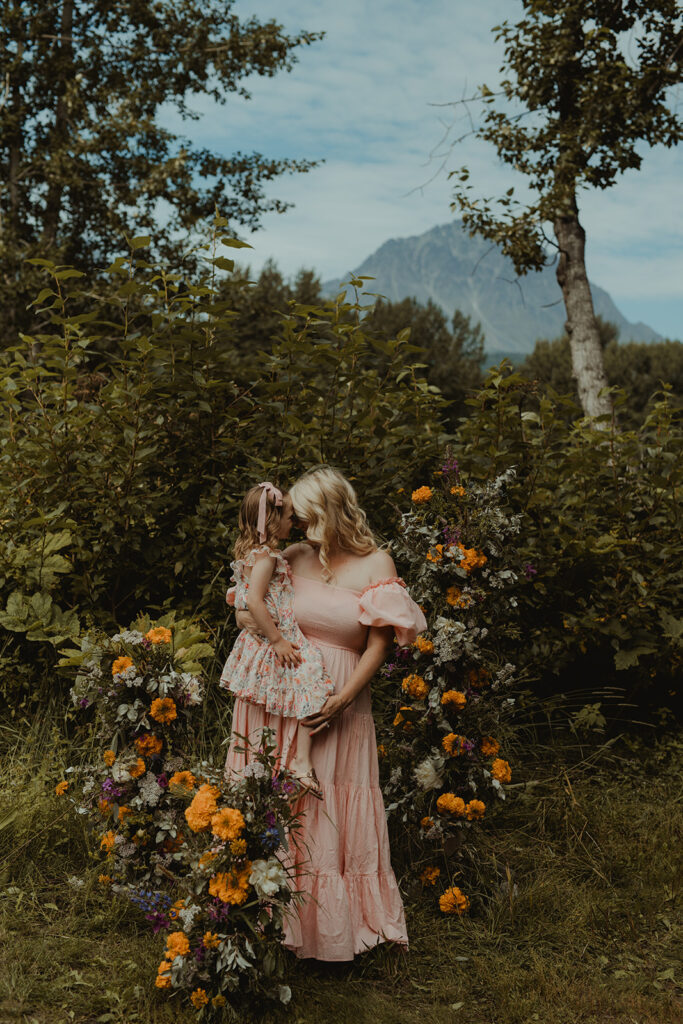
(367, 100)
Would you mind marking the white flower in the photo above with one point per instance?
(285, 993)
(255, 770)
(119, 773)
(267, 876)
(150, 790)
(191, 687)
(187, 916)
(75, 882)
(127, 636)
(427, 775)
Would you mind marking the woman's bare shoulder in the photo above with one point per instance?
(380, 565)
(297, 552)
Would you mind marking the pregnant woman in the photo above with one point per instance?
(349, 601)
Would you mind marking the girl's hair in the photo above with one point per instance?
(325, 499)
(249, 536)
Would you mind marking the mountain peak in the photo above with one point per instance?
(471, 274)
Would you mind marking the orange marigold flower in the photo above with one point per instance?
(436, 555)
(231, 886)
(109, 757)
(415, 686)
(401, 720)
(174, 911)
(501, 770)
(177, 944)
(182, 780)
(475, 810)
(104, 879)
(138, 769)
(206, 858)
(430, 875)
(148, 745)
(107, 841)
(238, 847)
(61, 787)
(456, 599)
(489, 746)
(471, 558)
(203, 807)
(211, 940)
(159, 635)
(422, 494)
(381, 751)
(424, 645)
(427, 822)
(454, 697)
(459, 492)
(163, 979)
(121, 664)
(218, 1001)
(227, 823)
(103, 806)
(199, 998)
(453, 744)
(454, 901)
(123, 811)
(164, 710)
(449, 803)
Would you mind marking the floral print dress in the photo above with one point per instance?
(252, 671)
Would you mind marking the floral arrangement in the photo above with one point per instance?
(197, 854)
(443, 764)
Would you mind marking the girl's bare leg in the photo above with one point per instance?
(301, 766)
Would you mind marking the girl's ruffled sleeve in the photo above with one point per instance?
(388, 603)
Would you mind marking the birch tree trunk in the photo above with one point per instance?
(581, 326)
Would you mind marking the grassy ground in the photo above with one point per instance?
(573, 908)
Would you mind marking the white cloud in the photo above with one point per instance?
(363, 99)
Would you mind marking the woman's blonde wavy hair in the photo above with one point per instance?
(325, 499)
(248, 538)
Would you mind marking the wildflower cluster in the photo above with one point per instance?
(201, 856)
(442, 765)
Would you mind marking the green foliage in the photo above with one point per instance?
(638, 368)
(601, 537)
(132, 431)
(588, 84)
(83, 147)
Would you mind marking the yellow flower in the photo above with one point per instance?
(61, 787)
(401, 720)
(164, 710)
(120, 665)
(104, 807)
(109, 757)
(231, 886)
(449, 803)
(107, 841)
(436, 555)
(415, 686)
(501, 770)
(471, 558)
(238, 847)
(424, 645)
(104, 879)
(426, 822)
(159, 635)
(489, 746)
(177, 944)
(199, 998)
(227, 823)
(203, 807)
(454, 697)
(381, 751)
(148, 745)
(456, 599)
(211, 940)
(218, 1001)
(475, 810)
(453, 744)
(459, 492)
(421, 495)
(454, 901)
(138, 769)
(163, 979)
(182, 780)
(123, 811)
(430, 875)
(206, 858)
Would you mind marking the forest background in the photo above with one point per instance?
(145, 385)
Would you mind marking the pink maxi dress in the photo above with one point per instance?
(342, 860)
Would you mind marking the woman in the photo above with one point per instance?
(349, 600)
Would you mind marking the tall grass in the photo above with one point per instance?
(573, 892)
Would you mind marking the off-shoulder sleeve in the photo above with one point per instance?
(388, 603)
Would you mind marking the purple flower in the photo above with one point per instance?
(530, 571)
(217, 910)
(111, 789)
(270, 818)
(469, 746)
(162, 780)
(83, 702)
(451, 466)
(157, 921)
(146, 643)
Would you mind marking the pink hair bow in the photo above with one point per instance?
(276, 495)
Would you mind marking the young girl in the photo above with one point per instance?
(284, 672)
